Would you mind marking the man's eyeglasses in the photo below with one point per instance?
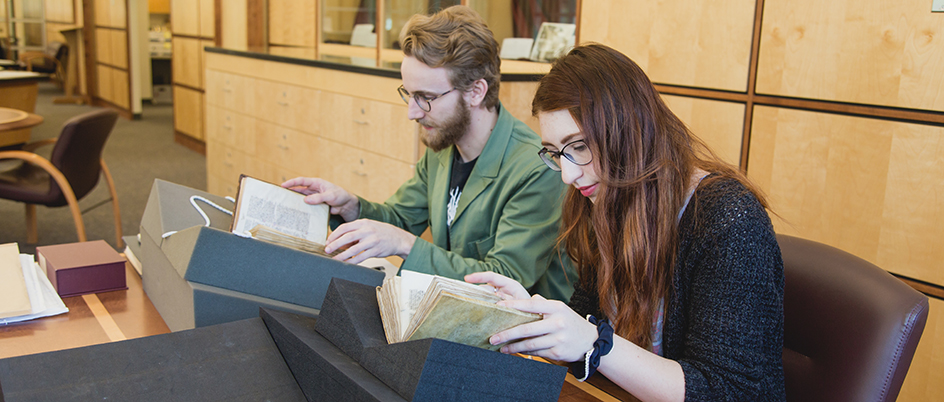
(423, 101)
(579, 154)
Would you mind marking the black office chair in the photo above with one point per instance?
(51, 61)
(71, 172)
(850, 328)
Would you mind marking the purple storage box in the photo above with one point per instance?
(80, 268)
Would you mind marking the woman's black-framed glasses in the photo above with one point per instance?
(421, 100)
(579, 154)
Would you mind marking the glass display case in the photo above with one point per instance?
(349, 28)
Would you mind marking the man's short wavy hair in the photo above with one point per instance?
(459, 39)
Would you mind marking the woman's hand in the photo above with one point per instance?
(561, 335)
(507, 288)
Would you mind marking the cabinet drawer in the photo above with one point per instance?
(225, 162)
(229, 91)
(373, 126)
(364, 173)
(231, 128)
(287, 105)
(221, 187)
(289, 149)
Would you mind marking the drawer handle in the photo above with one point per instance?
(227, 90)
(365, 122)
(359, 173)
(227, 163)
(285, 147)
(228, 127)
(282, 103)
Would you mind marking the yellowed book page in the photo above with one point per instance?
(280, 209)
(14, 299)
(468, 321)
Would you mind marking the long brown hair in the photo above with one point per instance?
(625, 244)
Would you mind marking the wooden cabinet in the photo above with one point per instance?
(279, 120)
(187, 63)
(292, 22)
(886, 53)
(193, 24)
(693, 43)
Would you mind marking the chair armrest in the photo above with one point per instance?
(36, 144)
(28, 60)
(46, 165)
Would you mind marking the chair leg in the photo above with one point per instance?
(32, 237)
(114, 203)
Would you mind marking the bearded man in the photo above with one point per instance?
(488, 200)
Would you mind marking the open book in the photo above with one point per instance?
(418, 306)
(280, 216)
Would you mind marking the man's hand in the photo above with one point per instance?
(365, 238)
(320, 191)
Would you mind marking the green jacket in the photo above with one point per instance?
(507, 220)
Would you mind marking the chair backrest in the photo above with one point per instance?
(850, 328)
(57, 50)
(78, 151)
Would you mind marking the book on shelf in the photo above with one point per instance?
(273, 214)
(417, 306)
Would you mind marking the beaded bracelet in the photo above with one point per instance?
(602, 346)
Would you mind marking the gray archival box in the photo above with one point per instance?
(201, 276)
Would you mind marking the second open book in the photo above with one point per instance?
(418, 306)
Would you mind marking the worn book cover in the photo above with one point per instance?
(445, 308)
(277, 215)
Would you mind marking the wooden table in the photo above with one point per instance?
(92, 319)
(15, 125)
(18, 90)
(126, 314)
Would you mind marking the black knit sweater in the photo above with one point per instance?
(724, 320)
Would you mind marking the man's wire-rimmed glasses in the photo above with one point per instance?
(579, 154)
(421, 100)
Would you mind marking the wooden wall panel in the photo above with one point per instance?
(121, 92)
(102, 12)
(188, 112)
(207, 19)
(103, 52)
(60, 11)
(878, 52)
(185, 17)
(119, 47)
(866, 186)
(187, 63)
(118, 14)
(517, 97)
(235, 24)
(292, 22)
(692, 43)
(719, 124)
(927, 369)
(105, 82)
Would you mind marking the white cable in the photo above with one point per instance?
(193, 201)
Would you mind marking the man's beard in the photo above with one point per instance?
(450, 131)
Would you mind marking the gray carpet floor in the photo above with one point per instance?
(137, 152)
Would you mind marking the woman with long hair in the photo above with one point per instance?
(680, 294)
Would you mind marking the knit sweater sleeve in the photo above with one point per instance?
(725, 322)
